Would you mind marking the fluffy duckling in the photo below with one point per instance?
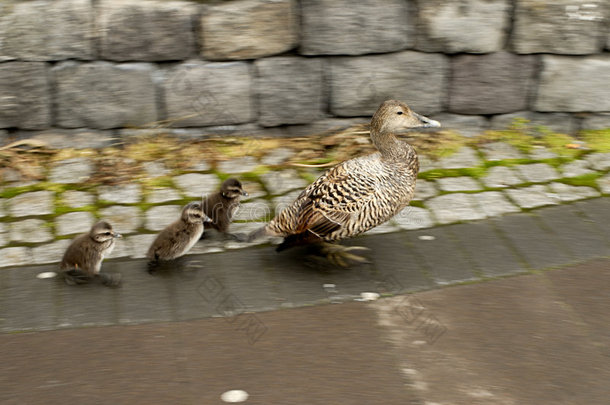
(179, 236)
(220, 206)
(82, 260)
(355, 195)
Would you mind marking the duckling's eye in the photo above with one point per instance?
(399, 113)
(106, 233)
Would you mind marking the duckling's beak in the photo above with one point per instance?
(427, 122)
(206, 219)
(117, 235)
(244, 193)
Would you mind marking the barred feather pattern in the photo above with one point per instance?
(352, 197)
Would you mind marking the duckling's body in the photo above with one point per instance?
(221, 206)
(179, 236)
(360, 193)
(82, 261)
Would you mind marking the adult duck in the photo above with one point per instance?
(355, 195)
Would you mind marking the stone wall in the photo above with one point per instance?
(84, 72)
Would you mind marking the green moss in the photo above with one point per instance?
(417, 203)
(558, 144)
(597, 140)
(433, 174)
(588, 180)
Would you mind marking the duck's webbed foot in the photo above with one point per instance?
(110, 279)
(342, 256)
(77, 277)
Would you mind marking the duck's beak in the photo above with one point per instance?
(244, 193)
(117, 235)
(206, 219)
(427, 122)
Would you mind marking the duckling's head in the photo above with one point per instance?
(394, 116)
(193, 213)
(102, 232)
(232, 188)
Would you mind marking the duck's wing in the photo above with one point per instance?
(330, 202)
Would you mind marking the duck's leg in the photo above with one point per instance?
(340, 255)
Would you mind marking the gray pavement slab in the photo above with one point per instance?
(487, 249)
(449, 267)
(332, 354)
(87, 305)
(582, 239)
(539, 248)
(518, 340)
(598, 211)
(398, 266)
(28, 303)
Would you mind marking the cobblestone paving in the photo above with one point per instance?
(37, 219)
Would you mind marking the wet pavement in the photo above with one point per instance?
(523, 319)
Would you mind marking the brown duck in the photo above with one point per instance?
(358, 194)
(82, 261)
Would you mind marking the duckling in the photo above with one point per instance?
(179, 236)
(82, 260)
(220, 206)
(355, 195)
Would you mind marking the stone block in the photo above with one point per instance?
(74, 222)
(462, 183)
(277, 156)
(123, 219)
(574, 84)
(464, 157)
(500, 151)
(424, 190)
(76, 170)
(465, 125)
(202, 94)
(31, 231)
(161, 195)
(33, 203)
(532, 197)
(568, 193)
(343, 27)
(537, 172)
(280, 182)
(599, 161)
(473, 26)
(289, 90)
(149, 30)
(50, 252)
(604, 183)
(248, 29)
(15, 256)
(25, 99)
(495, 83)
(195, 184)
(104, 95)
(238, 165)
(130, 193)
(596, 121)
(494, 203)
(46, 30)
(540, 152)
(413, 218)
(4, 235)
(455, 207)
(576, 168)
(159, 217)
(502, 176)
(559, 26)
(358, 85)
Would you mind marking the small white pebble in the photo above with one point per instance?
(46, 274)
(426, 237)
(328, 286)
(368, 296)
(234, 396)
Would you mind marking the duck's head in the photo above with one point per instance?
(193, 213)
(394, 116)
(102, 232)
(232, 188)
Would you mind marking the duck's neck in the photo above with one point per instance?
(392, 148)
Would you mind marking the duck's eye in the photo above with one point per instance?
(106, 233)
(399, 113)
